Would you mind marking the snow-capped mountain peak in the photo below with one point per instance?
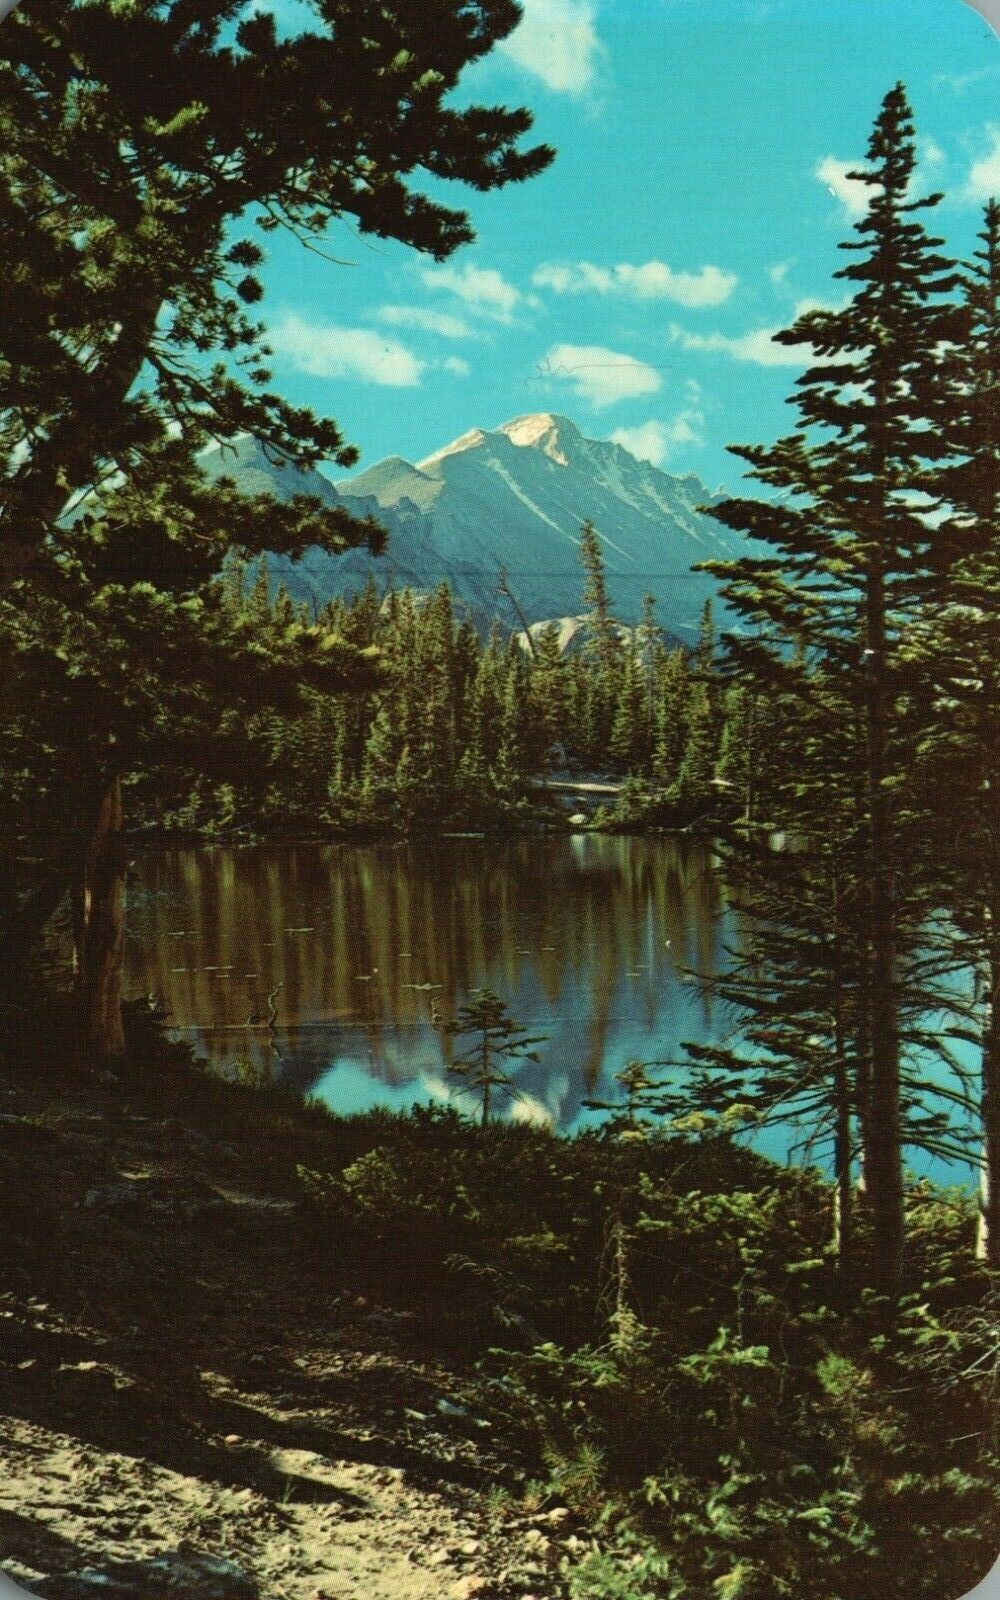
(542, 430)
(466, 441)
(512, 499)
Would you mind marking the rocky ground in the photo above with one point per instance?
(192, 1402)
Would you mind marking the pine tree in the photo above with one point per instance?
(853, 558)
(630, 733)
(596, 604)
(127, 185)
(550, 695)
(496, 1042)
(672, 695)
(693, 792)
(601, 648)
(955, 655)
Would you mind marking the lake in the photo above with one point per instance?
(586, 939)
(590, 940)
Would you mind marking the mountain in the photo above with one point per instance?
(511, 500)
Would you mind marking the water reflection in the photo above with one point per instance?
(586, 938)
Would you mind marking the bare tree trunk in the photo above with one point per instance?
(843, 1147)
(883, 1163)
(988, 1237)
(843, 1135)
(99, 930)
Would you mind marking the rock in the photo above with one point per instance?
(468, 1588)
(151, 1197)
(537, 1542)
(188, 1575)
(578, 819)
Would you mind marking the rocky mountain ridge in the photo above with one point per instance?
(499, 510)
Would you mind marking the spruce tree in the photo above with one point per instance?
(954, 655)
(672, 694)
(630, 733)
(601, 648)
(596, 605)
(854, 558)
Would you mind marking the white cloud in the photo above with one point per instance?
(578, 277)
(481, 289)
(983, 182)
(598, 375)
(324, 350)
(657, 441)
(779, 272)
(852, 194)
(809, 303)
(290, 16)
(964, 80)
(930, 151)
(757, 346)
(647, 442)
(557, 41)
(456, 365)
(427, 320)
(653, 280)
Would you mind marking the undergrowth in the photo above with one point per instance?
(663, 1335)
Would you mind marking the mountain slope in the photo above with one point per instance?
(512, 499)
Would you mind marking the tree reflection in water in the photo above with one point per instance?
(586, 939)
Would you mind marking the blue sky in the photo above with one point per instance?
(696, 201)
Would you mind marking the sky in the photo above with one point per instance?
(695, 204)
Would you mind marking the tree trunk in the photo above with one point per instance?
(99, 931)
(487, 1084)
(843, 1106)
(883, 1157)
(988, 1238)
(843, 1148)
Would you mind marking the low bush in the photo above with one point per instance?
(662, 1334)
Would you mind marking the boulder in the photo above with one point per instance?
(148, 1198)
(175, 1575)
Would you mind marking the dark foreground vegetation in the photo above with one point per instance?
(641, 1338)
(659, 1325)
(738, 1387)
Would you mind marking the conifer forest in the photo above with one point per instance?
(647, 1247)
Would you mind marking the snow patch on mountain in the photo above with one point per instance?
(512, 498)
(540, 429)
(467, 441)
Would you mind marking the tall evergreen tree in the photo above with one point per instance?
(601, 646)
(955, 656)
(630, 729)
(596, 604)
(672, 694)
(138, 141)
(854, 557)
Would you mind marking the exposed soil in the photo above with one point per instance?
(180, 1370)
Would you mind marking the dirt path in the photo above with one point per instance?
(176, 1373)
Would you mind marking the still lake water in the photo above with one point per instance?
(590, 941)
